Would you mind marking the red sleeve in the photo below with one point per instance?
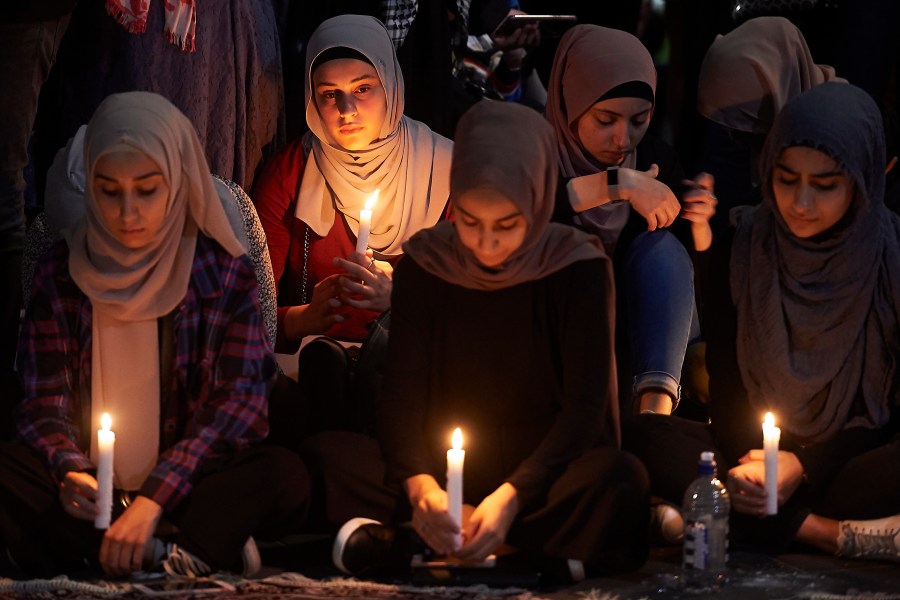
(274, 196)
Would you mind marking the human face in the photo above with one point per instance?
(132, 196)
(612, 128)
(811, 190)
(351, 101)
(490, 225)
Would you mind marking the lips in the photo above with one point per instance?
(350, 129)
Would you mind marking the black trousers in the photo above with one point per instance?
(596, 510)
(866, 487)
(261, 491)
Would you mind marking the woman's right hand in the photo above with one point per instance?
(78, 494)
(430, 518)
(319, 315)
(652, 199)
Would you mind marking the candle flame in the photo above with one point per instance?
(370, 203)
(769, 421)
(105, 421)
(457, 439)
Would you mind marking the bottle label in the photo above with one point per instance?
(696, 543)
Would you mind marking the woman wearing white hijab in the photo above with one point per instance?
(310, 195)
(147, 311)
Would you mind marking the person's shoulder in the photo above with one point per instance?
(213, 263)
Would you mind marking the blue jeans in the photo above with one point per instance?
(660, 310)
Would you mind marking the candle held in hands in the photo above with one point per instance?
(771, 437)
(365, 222)
(106, 441)
(455, 458)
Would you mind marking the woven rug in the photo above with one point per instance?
(287, 586)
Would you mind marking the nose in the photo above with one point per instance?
(129, 208)
(346, 105)
(487, 240)
(621, 135)
(804, 200)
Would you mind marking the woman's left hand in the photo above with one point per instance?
(367, 284)
(699, 207)
(790, 471)
(489, 524)
(125, 542)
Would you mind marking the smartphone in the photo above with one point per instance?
(513, 22)
(173, 587)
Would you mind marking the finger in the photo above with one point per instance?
(653, 171)
(359, 304)
(651, 222)
(756, 455)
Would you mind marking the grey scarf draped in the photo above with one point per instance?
(818, 317)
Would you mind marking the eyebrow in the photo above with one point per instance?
(471, 216)
(615, 114)
(138, 178)
(360, 78)
(836, 173)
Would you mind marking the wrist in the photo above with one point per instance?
(613, 189)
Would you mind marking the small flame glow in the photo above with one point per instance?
(457, 439)
(769, 421)
(370, 203)
(105, 421)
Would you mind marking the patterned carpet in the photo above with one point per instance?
(287, 586)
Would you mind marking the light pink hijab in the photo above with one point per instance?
(749, 74)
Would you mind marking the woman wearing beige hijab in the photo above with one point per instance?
(746, 77)
(147, 311)
(310, 195)
(618, 183)
(502, 326)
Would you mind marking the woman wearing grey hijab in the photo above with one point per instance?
(802, 303)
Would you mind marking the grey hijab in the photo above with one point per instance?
(818, 317)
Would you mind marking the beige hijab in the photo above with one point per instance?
(748, 75)
(409, 164)
(590, 61)
(508, 148)
(130, 289)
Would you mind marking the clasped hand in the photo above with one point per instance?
(125, 543)
(367, 282)
(747, 481)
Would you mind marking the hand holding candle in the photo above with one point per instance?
(365, 222)
(455, 458)
(106, 441)
(771, 437)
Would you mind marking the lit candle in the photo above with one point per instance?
(455, 458)
(106, 441)
(365, 221)
(771, 436)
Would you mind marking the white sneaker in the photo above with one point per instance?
(876, 539)
(181, 563)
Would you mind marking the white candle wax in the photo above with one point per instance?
(106, 441)
(365, 223)
(771, 437)
(455, 458)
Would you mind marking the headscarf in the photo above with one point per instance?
(590, 61)
(817, 318)
(409, 164)
(507, 148)
(130, 289)
(181, 19)
(749, 74)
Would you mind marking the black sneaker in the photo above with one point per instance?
(365, 547)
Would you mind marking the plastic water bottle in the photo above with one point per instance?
(706, 507)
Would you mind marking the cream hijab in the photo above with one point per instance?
(409, 164)
(508, 148)
(590, 61)
(749, 74)
(130, 289)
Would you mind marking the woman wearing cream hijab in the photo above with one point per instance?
(147, 311)
(310, 195)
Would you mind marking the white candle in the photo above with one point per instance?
(455, 458)
(106, 441)
(771, 436)
(365, 222)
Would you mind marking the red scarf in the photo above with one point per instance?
(181, 19)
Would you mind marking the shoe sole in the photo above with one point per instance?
(251, 557)
(340, 541)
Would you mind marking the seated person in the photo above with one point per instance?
(801, 300)
(617, 182)
(502, 326)
(148, 311)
